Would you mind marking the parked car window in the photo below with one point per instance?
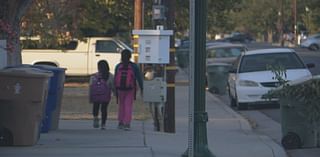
(224, 52)
(260, 62)
(72, 45)
(106, 46)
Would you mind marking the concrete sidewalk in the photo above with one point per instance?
(229, 135)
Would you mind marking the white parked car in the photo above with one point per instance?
(250, 77)
(312, 42)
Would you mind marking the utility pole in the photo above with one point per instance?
(198, 22)
(163, 15)
(294, 20)
(137, 25)
(169, 114)
(281, 23)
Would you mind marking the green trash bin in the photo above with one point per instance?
(298, 131)
(23, 92)
(217, 77)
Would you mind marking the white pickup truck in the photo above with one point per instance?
(80, 58)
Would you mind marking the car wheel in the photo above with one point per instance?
(214, 90)
(314, 47)
(241, 106)
(291, 141)
(232, 102)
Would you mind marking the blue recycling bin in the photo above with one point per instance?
(51, 118)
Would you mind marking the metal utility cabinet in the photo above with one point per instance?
(155, 91)
(153, 46)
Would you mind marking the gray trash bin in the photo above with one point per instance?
(23, 92)
(217, 77)
(182, 56)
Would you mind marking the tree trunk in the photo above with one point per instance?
(270, 36)
(11, 12)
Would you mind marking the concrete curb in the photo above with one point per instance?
(277, 150)
(243, 122)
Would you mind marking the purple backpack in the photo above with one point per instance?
(100, 92)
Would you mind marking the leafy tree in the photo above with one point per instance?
(257, 17)
(108, 17)
(219, 20)
(182, 18)
(313, 15)
(55, 22)
(58, 21)
(11, 12)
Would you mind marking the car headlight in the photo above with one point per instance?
(248, 83)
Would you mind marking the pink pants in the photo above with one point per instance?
(125, 99)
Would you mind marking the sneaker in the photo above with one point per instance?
(96, 122)
(126, 127)
(103, 127)
(120, 126)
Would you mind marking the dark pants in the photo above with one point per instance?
(104, 111)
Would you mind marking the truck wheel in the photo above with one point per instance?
(50, 64)
(291, 141)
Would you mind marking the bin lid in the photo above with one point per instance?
(25, 72)
(219, 64)
(48, 67)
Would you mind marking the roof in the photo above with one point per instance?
(222, 45)
(272, 50)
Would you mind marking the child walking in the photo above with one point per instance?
(100, 89)
(127, 74)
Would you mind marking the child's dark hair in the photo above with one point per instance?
(125, 57)
(103, 69)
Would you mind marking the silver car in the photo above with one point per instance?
(312, 42)
(219, 60)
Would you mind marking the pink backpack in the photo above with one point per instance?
(100, 92)
(125, 78)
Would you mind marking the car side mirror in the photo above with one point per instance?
(310, 65)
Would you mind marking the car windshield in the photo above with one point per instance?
(316, 36)
(224, 52)
(260, 62)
